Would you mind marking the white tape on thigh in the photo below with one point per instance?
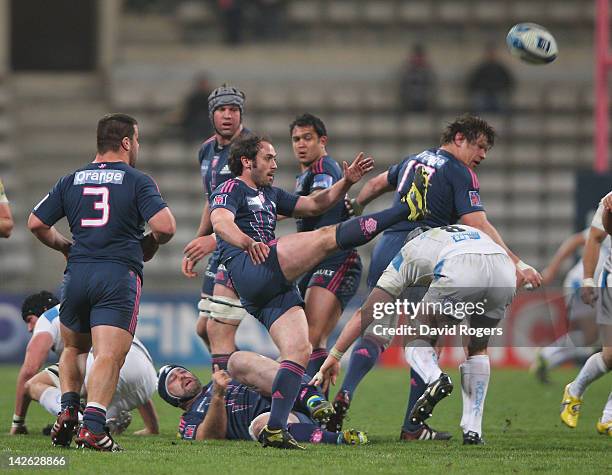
(226, 308)
(204, 307)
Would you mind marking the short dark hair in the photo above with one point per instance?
(112, 128)
(246, 145)
(471, 127)
(306, 120)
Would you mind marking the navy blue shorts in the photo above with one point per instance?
(100, 294)
(340, 274)
(215, 274)
(388, 245)
(263, 289)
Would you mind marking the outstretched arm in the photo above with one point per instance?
(149, 417)
(567, 249)
(6, 220)
(317, 203)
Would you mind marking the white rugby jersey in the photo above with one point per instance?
(416, 263)
(597, 223)
(49, 322)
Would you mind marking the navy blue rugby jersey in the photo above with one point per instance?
(255, 211)
(106, 205)
(320, 175)
(453, 188)
(242, 405)
(214, 166)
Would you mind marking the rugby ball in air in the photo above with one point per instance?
(532, 43)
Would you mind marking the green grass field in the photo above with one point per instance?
(521, 427)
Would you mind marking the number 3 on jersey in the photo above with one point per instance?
(101, 204)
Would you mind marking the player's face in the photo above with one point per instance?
(134, 147)
(264, 166)
(307, 145)
(472, 153)
(31, 322)
(227, 120)
(182, 383)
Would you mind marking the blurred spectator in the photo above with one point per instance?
(269, 19)
(6, 218)
(232, 19)
(194, 121)
(490, 84)
(417, 81)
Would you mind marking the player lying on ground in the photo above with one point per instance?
(600, 363)
(238, 407)
(469, 276)
(244, 212)
(137, 378)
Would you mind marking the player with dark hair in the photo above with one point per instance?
(36, 352)
(454, 196)
(599, 363)
(328, 287)
(263, 269)
(136, 384)
(238, 407)
(106, 203)
(220, 309)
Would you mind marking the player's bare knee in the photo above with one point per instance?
(238, 364)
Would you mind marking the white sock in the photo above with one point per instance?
(51, 400)
(424, 360)
(557, 355)
(593, 369)
(607, 412)
(475, 375)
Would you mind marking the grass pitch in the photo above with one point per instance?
(521, 427)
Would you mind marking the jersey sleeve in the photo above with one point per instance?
(189, 425)
(597, 221)
(227, 197)
(466, 191)
(326, 176)
(285, 202)
(393, 173)
(148, 198)
(51, 208)
(45, 323)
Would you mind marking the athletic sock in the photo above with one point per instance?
(475, 375)
(317, 358)
(285, 390)
(417, 388)
(423, 359)
(70, 399)
(221, 360)
(593, 369)
(51, 400)
(358, 231)
(363, 358)
(304, 432)
(607, 412)
(94, 417)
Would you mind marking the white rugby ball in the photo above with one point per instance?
(532, 43)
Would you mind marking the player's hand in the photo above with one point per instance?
(195, 251)
(360, 166)
(588, 292)
(258, 252)
(18, 429)
(220, 379)
(145, 431)
(527, 276)
(329, 371)
(352, 207)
